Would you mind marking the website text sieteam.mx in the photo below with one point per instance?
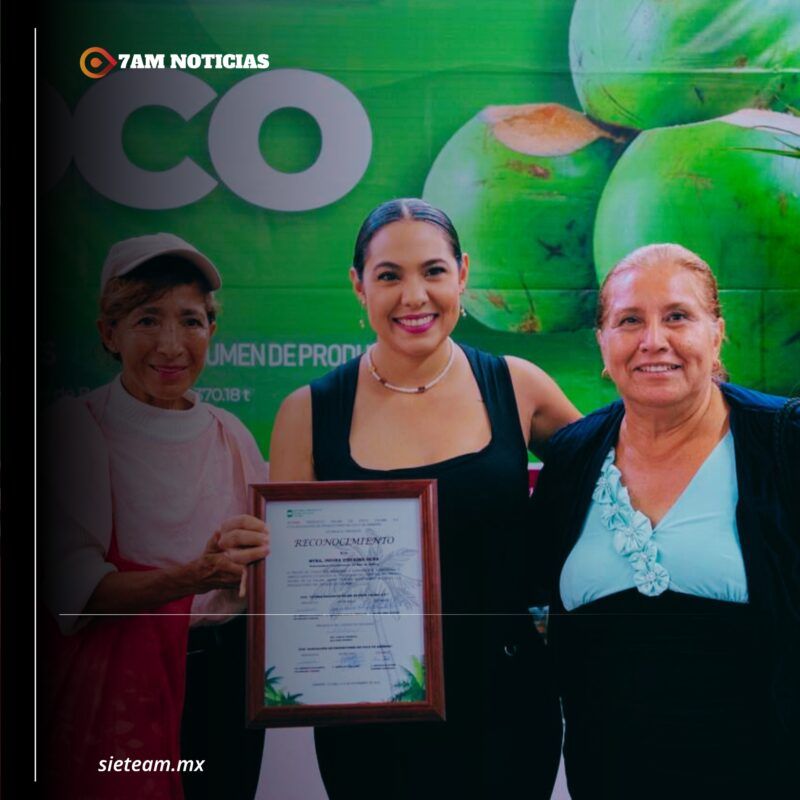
(149, 765)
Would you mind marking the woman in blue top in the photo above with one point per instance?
(417, 405)
(676, 555)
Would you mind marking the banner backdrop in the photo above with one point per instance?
(559, 135)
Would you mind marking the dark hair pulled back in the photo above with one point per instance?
(399, 209)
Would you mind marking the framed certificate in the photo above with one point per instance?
(345, 612)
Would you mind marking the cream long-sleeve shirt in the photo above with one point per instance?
(163, 479)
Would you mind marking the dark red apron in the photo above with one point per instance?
(114, 690)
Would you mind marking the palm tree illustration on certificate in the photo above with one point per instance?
(367, 585)
(371, 582)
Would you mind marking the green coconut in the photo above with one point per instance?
(649, 63)
(521, 184)
(781, 342)
(762, 329)
(710, 187)
(728, 189)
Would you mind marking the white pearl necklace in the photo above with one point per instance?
(410, 389)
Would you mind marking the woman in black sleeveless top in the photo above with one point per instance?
(416, 405)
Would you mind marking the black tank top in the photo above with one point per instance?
(500, 700)
(482, 496)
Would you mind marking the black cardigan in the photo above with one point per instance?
(767, 515)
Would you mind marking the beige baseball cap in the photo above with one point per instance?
(128, 254)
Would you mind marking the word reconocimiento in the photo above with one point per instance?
(362, 541)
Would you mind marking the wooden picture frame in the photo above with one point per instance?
(346, 557)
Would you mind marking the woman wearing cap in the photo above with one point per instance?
(150, 505)
(417, 405)
(676, 573)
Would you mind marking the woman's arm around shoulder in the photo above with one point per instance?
(290, 451)
(543, 407)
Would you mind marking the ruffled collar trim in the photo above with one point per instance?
(631, 530)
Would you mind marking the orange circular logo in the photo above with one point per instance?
(97, 62)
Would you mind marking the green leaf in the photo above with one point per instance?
(274, 696)
(792, 152)
(412, 688)
(418, 670)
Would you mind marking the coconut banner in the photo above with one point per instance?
(558, 135)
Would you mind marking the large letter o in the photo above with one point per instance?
(234, 145)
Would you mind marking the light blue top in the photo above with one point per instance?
(694, 549)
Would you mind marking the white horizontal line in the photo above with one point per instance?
(310, 614)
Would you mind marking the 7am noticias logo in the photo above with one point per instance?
(97, 62)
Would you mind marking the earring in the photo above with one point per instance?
(361, 323)
(604, 374)
(461, 310)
